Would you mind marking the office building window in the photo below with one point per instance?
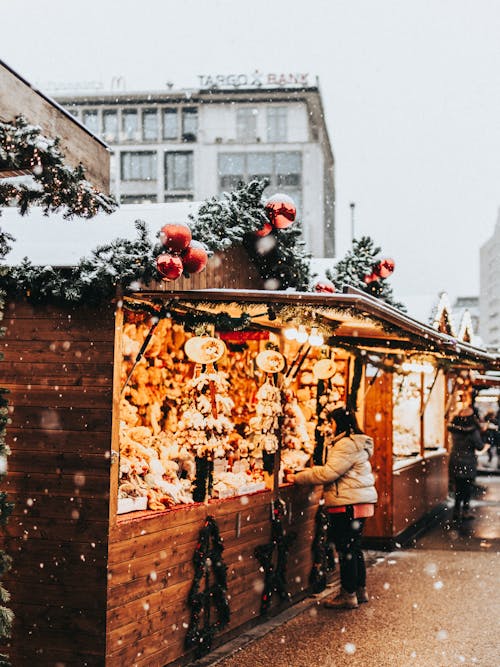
(130, 125)
(150, 125)
(277, 119)
(179, 171)
(288, 168)
(183, 197)
(138, 166)
(259, 165)
(246, 124)
(189, 124)
(170, 124)
(138, 199)
(231, 170)
(110, 125)
(282, 169)
(91, 121)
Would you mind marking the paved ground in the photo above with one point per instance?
(436, 604)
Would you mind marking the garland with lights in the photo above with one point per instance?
(23, 148)
(275, 577)
(6, 508)
(119, 263)
(323, 557)
(207, 557)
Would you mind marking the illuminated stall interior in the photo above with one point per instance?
(385, 358)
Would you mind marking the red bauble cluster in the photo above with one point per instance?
(324, 286)
(281, 211)
(183, 254)
(382, 269)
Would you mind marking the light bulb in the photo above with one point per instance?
(302, 336)
(316, 339)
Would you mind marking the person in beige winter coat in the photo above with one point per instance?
(349, 495)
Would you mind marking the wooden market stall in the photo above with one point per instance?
(94, 583)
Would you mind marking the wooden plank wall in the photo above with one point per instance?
(231, 269)
(419, 488)
(151, 571)
(58, 366)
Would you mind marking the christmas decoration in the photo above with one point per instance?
(265, 230)
(281, 211)
(385, 267)
(324, 286)
(55, 185)
(194, 258)
(175, 238)
(206, 426)
(275, 577)
(361, 269)
(169, 266)
(207, 560)
(323, 556)
(125, 263)
(265, 426)
(94, 279)
(235, 217)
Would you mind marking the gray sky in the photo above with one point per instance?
(411, 93)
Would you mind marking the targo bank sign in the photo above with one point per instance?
(255, 80)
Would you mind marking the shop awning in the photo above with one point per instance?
(350, 319)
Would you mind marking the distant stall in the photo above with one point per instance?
(142, 432)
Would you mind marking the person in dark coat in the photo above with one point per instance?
(466, 440)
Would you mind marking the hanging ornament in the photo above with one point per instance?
(281, 210)
(324, 286)
(194, 258)
(169, 266)
(373, 277)
(175, 237)
(385, 267)
(265, 230)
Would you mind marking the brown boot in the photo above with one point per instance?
(343, 600)
(362, 595)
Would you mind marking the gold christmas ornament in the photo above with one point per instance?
(204, 349)
(324, 369)
(270, 361)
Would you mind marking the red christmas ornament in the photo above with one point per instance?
(175, 237)
(194, 258)
(281, 210)
(371, 278)
(324, 286)
(385, 267)
(169, 266)
(266, 229)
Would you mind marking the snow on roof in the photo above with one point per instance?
(52, 240)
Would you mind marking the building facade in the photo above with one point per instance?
(489, 299)
(190, 145)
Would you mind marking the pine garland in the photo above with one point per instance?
(275, 577)
(55, 185)
(207, 557)
(233, 219)
(323, 557)
(95, 278)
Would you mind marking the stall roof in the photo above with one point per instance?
(351, 319)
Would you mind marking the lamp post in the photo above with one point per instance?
(352, 205)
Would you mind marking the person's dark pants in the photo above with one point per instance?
(463, 493)
(345, 532)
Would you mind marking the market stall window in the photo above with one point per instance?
(205, 417)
